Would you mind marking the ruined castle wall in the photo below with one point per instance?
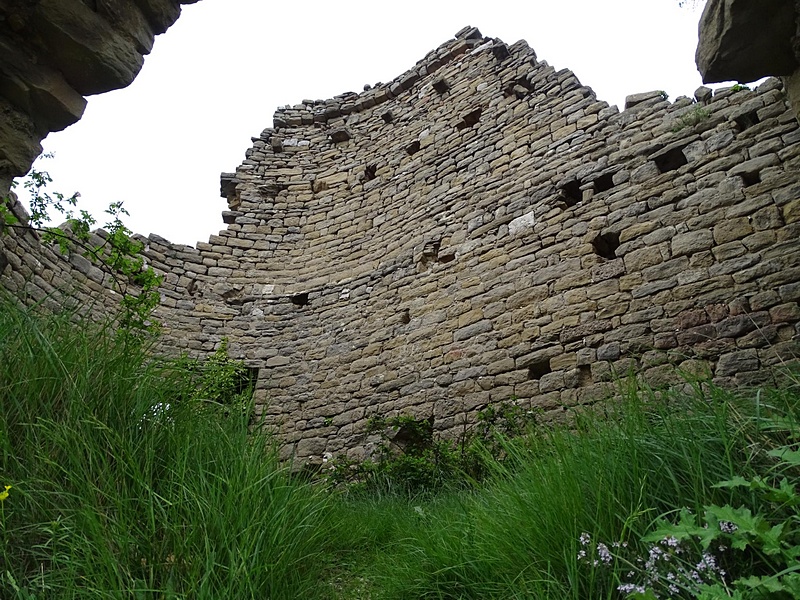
(39, 273)
(482, 228)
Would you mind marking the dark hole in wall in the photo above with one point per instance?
(300, 299)
(414, 436)
(470, 119)
(539, 369)
(247, 379)
(670, 160)
(430, 252)
(431, 249)
(747, 120)
(413, 148)
(446, 258)
(571, 192)
(751, 178)
(370, 172)
(441, 85)
(405, 317)
(3, 263)
(520, 88)
(604, 183)
(606, 244)
(387, 117)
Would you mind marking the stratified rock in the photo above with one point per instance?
(54, 52)
(744, 40)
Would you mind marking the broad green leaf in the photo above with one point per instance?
(768, 584)
(786, 455)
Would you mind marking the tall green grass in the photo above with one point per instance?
(608, 475)
(113, 498)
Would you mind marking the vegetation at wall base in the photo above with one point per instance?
(125, 485)
(120, 477)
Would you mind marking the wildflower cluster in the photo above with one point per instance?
(670, 569)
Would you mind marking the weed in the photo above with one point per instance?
(695, 116)
(103, 505)
(411, 459)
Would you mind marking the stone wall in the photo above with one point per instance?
(55, 52)
(483, 228)
(38, 273)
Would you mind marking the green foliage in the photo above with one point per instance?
(695, 116)
(110, 497)
(516, 535)
(408, 459)
(224, 384)
(737, 87)
(110, 502)
(411, 459)
(118, 254)
(761, 551)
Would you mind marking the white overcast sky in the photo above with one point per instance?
(214, 79)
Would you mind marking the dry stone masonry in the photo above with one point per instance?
(483, 229)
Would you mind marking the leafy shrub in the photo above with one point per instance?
(411, 459)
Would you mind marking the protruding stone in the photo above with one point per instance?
(636, 99)
(339, 135)
(744, 40)
(500, 51)
(703, 94)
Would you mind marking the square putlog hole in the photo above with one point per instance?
(300, 299)
(747, 120)
(539, 369)
(470, 119)
(571, 192)
(604, 183)
(606, 245)
(671, 160)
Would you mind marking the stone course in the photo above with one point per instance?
(483, 229)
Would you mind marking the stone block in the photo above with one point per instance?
(735, 362)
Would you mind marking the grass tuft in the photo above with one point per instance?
(115, 496)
